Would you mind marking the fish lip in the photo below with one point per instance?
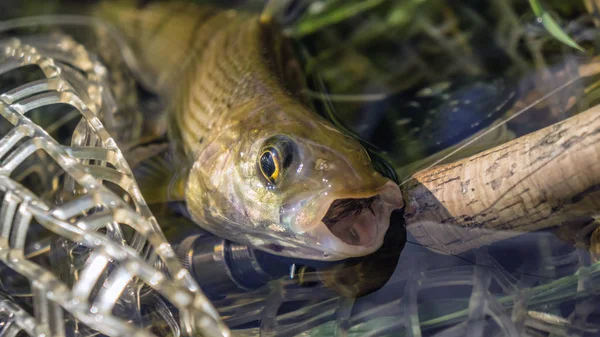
(337, 249)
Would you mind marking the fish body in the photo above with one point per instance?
(260, 167)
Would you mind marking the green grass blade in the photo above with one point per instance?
(551, 26)
(341, 13)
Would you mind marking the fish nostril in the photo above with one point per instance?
(323, 165)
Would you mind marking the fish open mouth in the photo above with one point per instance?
(345, 224)
(355, 225)
(352, 220)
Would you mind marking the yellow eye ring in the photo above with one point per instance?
(270, 165)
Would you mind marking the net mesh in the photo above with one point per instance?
(76, 237)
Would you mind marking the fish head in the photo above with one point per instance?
(303, 189)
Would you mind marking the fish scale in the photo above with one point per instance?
(216, 83)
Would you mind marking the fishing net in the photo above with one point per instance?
(79, 246)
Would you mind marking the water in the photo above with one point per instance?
(424, 81)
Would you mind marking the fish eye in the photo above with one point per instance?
(277, 155)
(270, 164)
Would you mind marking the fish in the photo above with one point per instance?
(251, 160)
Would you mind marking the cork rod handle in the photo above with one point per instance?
(537, 181)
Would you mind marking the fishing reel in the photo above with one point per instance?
(223, 267)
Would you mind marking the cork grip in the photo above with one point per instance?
(537, 181)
